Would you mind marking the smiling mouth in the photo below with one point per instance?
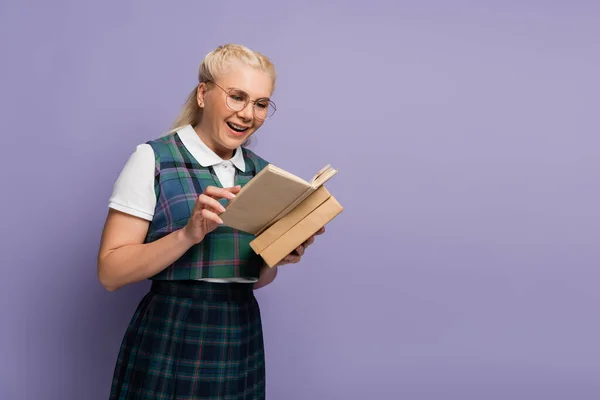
(237, 128)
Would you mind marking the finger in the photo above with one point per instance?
(206, 201)
(209, 215)
(217, 192)
(309, 241)
(320, 231)
(300, 250)
(292, 259)
(234, 189)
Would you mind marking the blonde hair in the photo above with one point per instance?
(215, 64)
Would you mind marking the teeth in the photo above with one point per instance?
(237, 127)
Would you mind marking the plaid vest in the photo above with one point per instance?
(178, 181)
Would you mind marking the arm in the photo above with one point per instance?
(124, 258)
(267, 275)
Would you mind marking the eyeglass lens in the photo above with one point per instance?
(238, 99)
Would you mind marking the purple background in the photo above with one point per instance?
(465, 264)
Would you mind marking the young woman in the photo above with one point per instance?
(197, 333)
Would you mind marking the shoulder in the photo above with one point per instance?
(164, 144)
(133, 192)
(143, 157)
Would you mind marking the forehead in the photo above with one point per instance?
(251, 80)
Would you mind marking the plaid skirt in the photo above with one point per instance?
(193, 340)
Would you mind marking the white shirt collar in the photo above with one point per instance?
(205, 156)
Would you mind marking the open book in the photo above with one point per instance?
(269, 196)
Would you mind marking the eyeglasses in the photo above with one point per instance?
(237, 100)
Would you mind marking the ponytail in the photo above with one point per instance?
(191, 112)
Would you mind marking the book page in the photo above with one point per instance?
(286, 174)
(323, 176)
(263, 199)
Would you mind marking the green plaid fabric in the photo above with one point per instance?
(179, 180)
(193, 340)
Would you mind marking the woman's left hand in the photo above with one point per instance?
(295, 256)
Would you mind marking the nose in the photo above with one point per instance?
(247, 113)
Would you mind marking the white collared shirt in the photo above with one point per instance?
(133, 192)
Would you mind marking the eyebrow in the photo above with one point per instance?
(258, 98)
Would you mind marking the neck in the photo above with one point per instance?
(224, 153)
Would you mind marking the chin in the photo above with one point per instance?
(233, 141)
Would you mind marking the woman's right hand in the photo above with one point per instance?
(205, 215)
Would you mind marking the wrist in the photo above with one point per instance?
(267, 275)
(184, 239)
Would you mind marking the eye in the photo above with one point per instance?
(262, 104)
(237, 97)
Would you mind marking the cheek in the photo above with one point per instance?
(258, 123)
(217, 113)
(223, 113)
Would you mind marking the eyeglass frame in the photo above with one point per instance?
(248, 100)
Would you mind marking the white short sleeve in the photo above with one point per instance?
(133, 191)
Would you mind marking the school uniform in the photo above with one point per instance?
(197, 334)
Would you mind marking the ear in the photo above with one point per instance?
(200, 93)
